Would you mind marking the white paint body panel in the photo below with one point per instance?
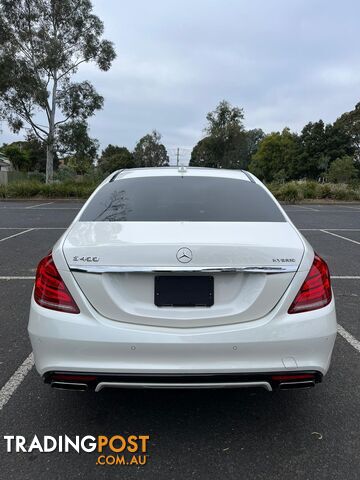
(120, 330)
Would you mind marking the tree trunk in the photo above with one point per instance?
(49, 163)
(51, 136)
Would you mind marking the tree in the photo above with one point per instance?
(338, 142)
(225, 145)
(350, 123)
(18, 156)
(275, 155)
(253, 139)
(204, 154)
(115, 158)
(149, 152)
(75, 144)
(42, 44)
(313, 159)
(37, 153)
(342, 170)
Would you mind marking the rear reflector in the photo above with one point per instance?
(286, 378)
(315, 292)
(65, 377)
(50, 289)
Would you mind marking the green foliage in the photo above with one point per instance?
(65, 173)
(28, 155)
(42, 45)
(75, 143)
(225, 121)
(311, 160)
(310, 189)
(289, 192)
(115, 158)
(342, 170)
(226, 144)
(278, 156)
(37, 153)
(149, 152)
(275, 155)
(18, 156)
(29, 189)
(350, 123)
(296, 191)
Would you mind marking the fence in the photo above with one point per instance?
(8, 177)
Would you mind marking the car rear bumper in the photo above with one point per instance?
(80, 343)
(98, 381)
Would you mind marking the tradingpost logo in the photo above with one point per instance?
(114, 450)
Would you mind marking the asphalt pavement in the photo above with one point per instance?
(211, 434)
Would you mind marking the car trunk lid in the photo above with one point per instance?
(115, 265)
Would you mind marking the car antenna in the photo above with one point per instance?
(182, 169)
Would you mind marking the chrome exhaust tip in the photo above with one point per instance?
(80, 387)
(297, 385)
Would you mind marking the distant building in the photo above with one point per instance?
(5, 164)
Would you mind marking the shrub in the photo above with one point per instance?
(342, 170)
(28, 189)
(289, 192)
(310, 189)
(324, 190)
(36, 176)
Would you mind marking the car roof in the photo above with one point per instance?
(175, 171)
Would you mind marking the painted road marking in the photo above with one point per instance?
(41, 208)
(340, 236)
(39, 205)
(349, 338)
(307, 208)
(345, 277)
(330, 229)
(16, 278)
(16, 234)
(33, 228)
(15, 380)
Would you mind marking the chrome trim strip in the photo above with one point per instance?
(113, 269)
(102, 385)
(69, 385)
(294, 385)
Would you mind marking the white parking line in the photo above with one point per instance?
(349, 338)
(39, 205)
(33, 228)
(59, 208)
(322, 211)
(342, 277)
(307, 208)
(16, 278)
(15, 380)
(340, 236)
(330, 229)
(355, 208)
(16, 234)
(40, 208)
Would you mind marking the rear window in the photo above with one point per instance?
(176, 199)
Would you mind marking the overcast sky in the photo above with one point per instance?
(286, 62)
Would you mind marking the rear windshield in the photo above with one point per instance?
(176, 199)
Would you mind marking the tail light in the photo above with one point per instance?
(315, 291)
(50, 289)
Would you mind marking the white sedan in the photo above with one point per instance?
(182, 278)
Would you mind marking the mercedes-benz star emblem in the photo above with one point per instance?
(184, 255)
